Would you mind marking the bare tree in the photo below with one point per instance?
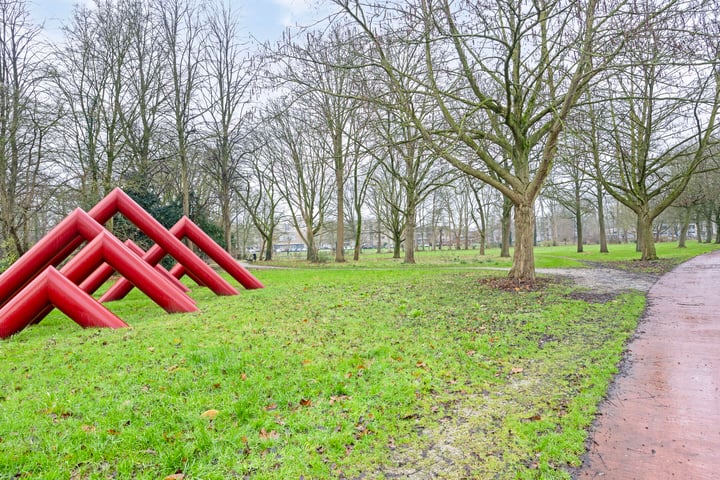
(388, 203)
(568, 185)
(662, 115)
(229, 75)
(301, 172)
(90, 70)
(182, 33)
(259, 194)
(478, 212)
(22, 126)
(505, 77)
(143, 79)
(320, 71)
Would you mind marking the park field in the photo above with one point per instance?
(327, 373)
(565, 256)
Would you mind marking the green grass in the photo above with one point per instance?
(326, 373)
(564, 256)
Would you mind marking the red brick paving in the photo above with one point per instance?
(662, 417)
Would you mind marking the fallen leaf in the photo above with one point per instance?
(338, 398)
(305, 402)
(270, 407)
(516, 370)
(210, 414)
(421, 365)
(271, 434)
(243, 377)
(88, 428)
(175, 476)
(112, 431)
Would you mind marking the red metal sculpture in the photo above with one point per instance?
(32, 286)
(186, 228)
(52, 288)
(118, 201)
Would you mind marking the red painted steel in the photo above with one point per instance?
(105, 254)
(107, 248)
(62, 240)
(50, 287)
(186, 228)
(103, 273)
(182, 229)
(30, 287)
(162, 270)
(118, 201)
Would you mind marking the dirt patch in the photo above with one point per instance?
(592, 297)
(654, 267)
(599, 281)
(512, 285)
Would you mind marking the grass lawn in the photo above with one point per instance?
(326, 373)
(564, 256)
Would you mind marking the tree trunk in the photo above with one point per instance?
(717, 222)
(379, 239)
(578, 218)
(639, 232)
(601, 219)
(396, 247)
(646, 242)
(505, 222)
(312, 252)
(523, 268)
(340, 238)
(358, 235)
(709, 224)
(410, 221)
(684, 228)
(226, 221)
(482, 230)
(579, 229)
(268, 246)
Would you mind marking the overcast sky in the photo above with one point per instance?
(264, 19)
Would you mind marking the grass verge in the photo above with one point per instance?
(621, 256)
(323, 374)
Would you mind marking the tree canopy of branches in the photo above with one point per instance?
(660, 112)
(504, 75)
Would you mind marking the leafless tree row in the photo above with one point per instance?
(432, 121)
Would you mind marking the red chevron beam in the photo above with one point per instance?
(118, 201)
(52, 288)
(185, 228)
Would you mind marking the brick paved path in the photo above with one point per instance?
(662, 417)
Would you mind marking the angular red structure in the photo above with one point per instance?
(106, 248)
(118, 201)
(32, 286)
(52, 249)
(96, 279)
(52, 288)
(186, 228)
(175, 280)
